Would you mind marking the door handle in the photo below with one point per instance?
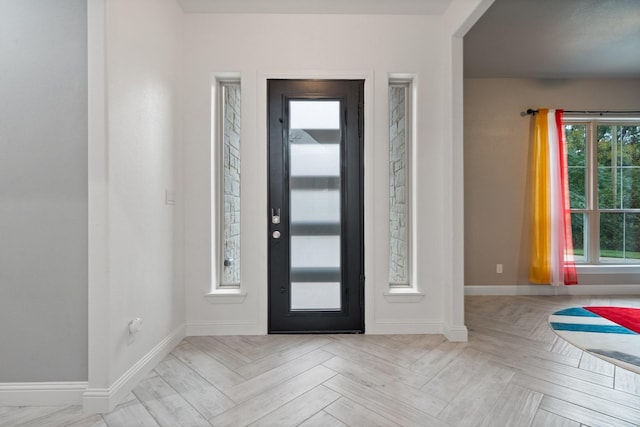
(276, 234)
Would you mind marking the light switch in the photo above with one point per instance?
(169, 197)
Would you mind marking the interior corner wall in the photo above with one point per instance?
(496, 153)
(43, 191)
(143, 166)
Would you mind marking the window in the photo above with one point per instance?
(227, 183)
(399, 184)
(604, 188)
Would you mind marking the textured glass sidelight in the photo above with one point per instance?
(398, 187)
(230, 112)
(314, 178)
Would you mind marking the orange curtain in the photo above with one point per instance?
(551, 242)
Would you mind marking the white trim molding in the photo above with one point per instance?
(632, 289)
(102, 400)
(404, 326)
(226, 296)
(456, 333)
(42, 393)
(206, 328)
(453, 333)
(402, 295)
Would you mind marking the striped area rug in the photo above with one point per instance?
(610, 333)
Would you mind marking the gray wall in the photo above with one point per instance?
(496, 162)
(43, 190)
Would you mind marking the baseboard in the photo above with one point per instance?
(198, 329)
(552, 290)
(456, 333)
(402, 326)
(42, 394)
(99, 400)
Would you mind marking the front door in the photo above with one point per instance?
(316, 213)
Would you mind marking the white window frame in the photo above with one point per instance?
(406, 292)
(592, 263)
(220, 292)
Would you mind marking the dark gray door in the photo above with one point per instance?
(315, 213)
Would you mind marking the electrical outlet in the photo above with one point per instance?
(499, 268)
(135, 326)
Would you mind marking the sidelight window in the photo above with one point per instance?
(399, 184)
(227, 183)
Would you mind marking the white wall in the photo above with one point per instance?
(299, 46)
(136, 252)
(43, 191)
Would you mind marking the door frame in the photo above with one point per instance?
(369, 181)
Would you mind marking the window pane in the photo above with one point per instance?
(398, 188)
(632, 237)
(629, 160)
(231, 183)
(578, 227)
(608, 197)
(619, 237)
(577, 160)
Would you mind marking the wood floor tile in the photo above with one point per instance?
(265, 382)
(202, 395)
(355, 415)
(547, 419)
(388, 385)
(373, 347)
(629, 412)
(128, 413)
(583, 415)
(229, 357)
(594, 364)
(457, 375)
(91, 421)
(323, 419)
(299, 409)
(475, 401)
(11, 416)
(514, 371)
(437, 359)
(382, 404)
(627, 381)
(62, 417)
(516, 406)
(263, 404)
(166, 405)
(405, 375)
(292, 352)
(208, 367)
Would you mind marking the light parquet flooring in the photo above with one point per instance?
(514, 371)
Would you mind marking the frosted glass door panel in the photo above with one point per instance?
(315, 296)
(315, 173)
(315, 206)
(309, 114)
(315, 160)
(315, 251)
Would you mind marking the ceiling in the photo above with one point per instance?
(514, 38)
(360, 7)
(555, 39)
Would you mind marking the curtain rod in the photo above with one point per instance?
(531, 112)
